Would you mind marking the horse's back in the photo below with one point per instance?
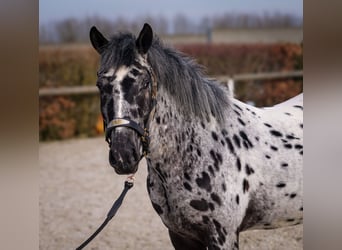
(296, 100)
(277, 158)
(287, 113)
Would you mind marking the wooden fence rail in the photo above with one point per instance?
(79, 90)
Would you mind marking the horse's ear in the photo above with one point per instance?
(144, 40)
(97, 39)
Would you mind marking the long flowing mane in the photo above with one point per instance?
(185, 81)
(181, 77)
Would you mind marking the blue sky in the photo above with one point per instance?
(52, 10)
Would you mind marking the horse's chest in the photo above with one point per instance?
(184, 200)
(171, 201)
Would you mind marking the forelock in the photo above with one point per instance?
(119, 51)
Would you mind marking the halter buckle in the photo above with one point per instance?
(145, 140)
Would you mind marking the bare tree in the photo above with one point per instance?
(181, 24)
(77, 30)
(67, 30)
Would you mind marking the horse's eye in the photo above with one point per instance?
(109, 78)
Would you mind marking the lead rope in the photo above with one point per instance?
(128, 185)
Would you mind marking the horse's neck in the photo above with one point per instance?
(168, 125)
(172, 131)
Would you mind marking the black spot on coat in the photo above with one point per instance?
(200, 205)
(222, 237)
(230, 145)
(291, 137)
(211, 170)
(276, 133)
(187, 186)
(237, 141)
(214, 135)
(204, 181)
(238, 163)
(298, 106)
(247, 143)
(267, 125)
(293, 195)
(187, 176)
(245, 185)
(238, 107)
(216, 198)
(199, 153)
(127, 84)
(237, 199)
(224, 188)
(249, 170)
(217, 157)
(242, 122)
(281, 185)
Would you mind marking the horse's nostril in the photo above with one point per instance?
(134, 155)
(128, 160)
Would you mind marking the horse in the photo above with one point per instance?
(216, 166)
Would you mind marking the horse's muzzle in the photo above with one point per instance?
(126, 164)
(123, 154)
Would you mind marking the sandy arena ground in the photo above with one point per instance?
(78, 187)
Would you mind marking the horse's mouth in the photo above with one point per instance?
(123, 168)
(121, 171)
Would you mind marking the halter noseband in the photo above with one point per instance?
(123, 122)
(143, 132)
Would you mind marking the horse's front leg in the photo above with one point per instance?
(215, 242)
(222, 240)
(182, 243)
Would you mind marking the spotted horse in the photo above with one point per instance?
(216, 166)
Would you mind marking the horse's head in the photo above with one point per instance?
(127, 89)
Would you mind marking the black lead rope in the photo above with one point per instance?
(110, 215)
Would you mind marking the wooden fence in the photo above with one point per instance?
(79, 90)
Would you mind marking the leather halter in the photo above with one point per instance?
(142, 131)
